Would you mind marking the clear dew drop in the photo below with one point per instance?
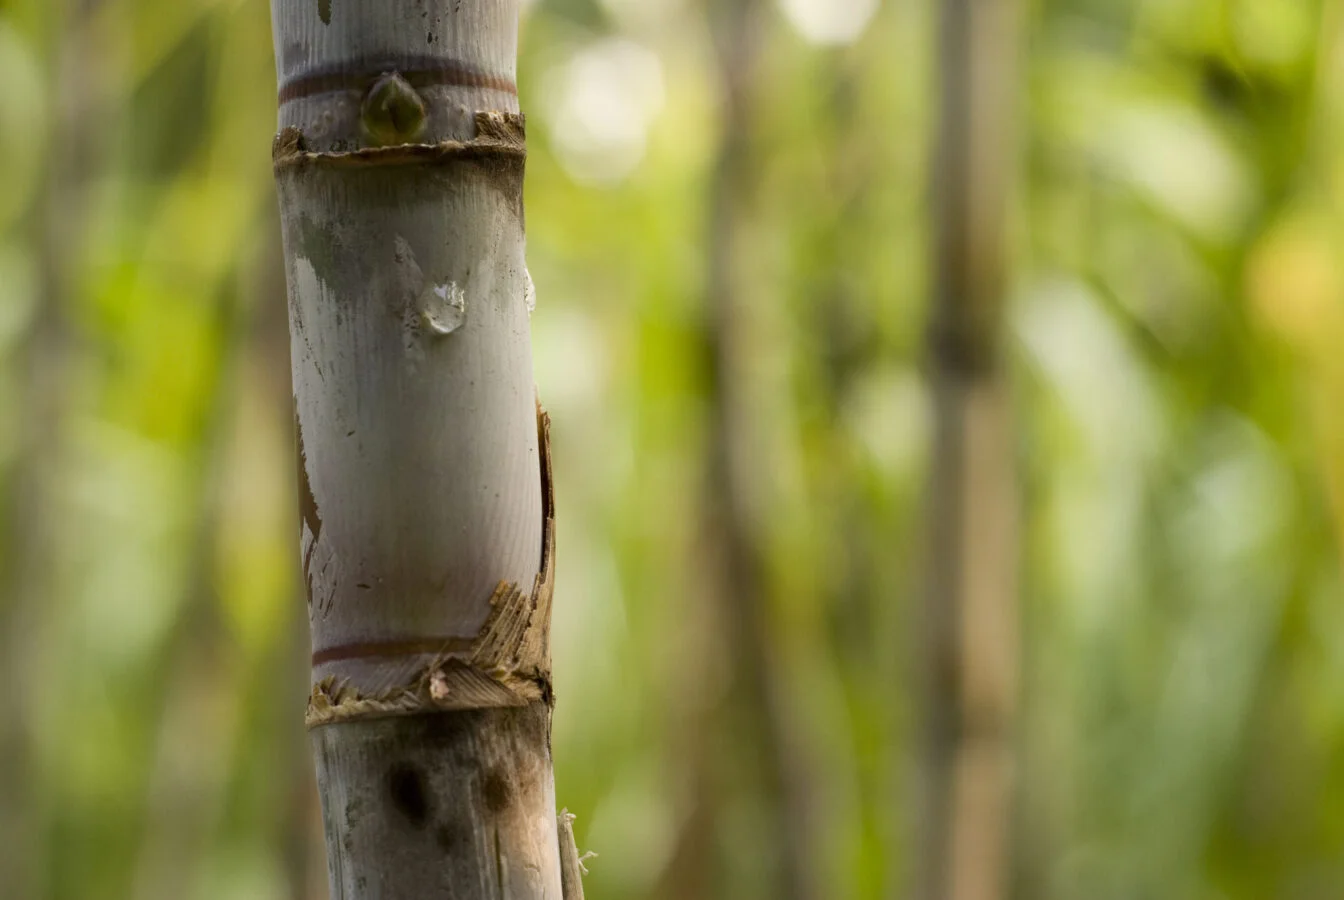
(529, 293)
(443, 307)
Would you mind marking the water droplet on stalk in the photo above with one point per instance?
(444, 307)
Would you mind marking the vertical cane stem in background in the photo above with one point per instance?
(972, 613)
(427, 528)
(26, 518)
(757, 700)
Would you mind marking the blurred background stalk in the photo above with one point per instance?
(42, 356)
(971, 652)
(756, 709)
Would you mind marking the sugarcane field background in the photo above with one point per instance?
(947, 422)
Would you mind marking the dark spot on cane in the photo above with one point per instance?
(452, 840)
(406, 787)
(497, 792)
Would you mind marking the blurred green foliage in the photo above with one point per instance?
(1178, 310)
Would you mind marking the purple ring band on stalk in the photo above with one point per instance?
(393, 649)
(419, 72)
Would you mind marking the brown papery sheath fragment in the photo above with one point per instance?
(498, 135)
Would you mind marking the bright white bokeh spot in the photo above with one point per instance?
(1182, 162)
(887, 412)
(829, 21)
(601, 105)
